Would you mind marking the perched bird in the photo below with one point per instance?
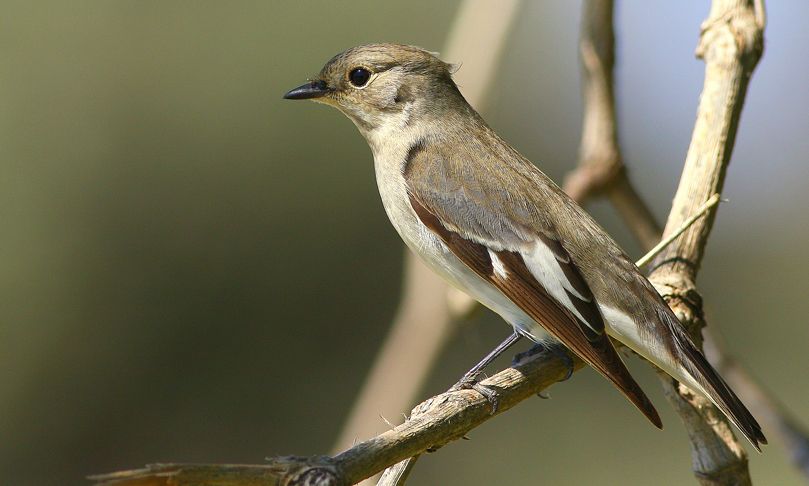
(492, 224)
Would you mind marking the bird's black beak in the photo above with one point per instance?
(312, 89)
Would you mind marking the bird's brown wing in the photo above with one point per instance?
(517, 230)
(518, 284)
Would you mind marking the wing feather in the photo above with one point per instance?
(519, 285)
(514, 227)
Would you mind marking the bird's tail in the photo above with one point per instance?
(704, 378)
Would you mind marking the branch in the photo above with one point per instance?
(658, 248)
(601, 169)
(731, 44)
(433, 423)
(774, 418)
(777, 422)
(281, 471)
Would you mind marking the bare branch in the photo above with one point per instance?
(731, 44)
(422, 326)
(397, 474)
(601, 169)
(778, 423)
(432, 424)
(774, 418)
(287, 471)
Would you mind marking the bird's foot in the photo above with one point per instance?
(557, 349)
(472, 382)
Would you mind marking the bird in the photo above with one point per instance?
(492, 224)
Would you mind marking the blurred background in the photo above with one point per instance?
(195, 270)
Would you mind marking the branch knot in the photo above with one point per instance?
(681, 294)
(734, 35)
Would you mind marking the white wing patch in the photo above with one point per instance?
(623, 327)
(542, 264)
(497, 265)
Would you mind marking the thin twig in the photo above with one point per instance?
(645, 259)
(397, 474)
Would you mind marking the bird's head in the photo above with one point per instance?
(382, 85)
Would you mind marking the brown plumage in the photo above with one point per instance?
(522, 288)
(491, 223)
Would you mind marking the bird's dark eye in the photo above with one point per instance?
(359, 77)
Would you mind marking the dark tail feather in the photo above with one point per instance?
(718, 391)
(617, 373)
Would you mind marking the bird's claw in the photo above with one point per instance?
(471, 382)
(529, 353)
(564, 355)
(490, 396)
(466, 382)
(556, 349)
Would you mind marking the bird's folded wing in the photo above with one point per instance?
(528, 265)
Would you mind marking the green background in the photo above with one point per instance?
(195, 270)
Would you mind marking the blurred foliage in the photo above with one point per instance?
(193, 269)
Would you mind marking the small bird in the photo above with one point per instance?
(493, 225)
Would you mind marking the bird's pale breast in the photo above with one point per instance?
(433, 252)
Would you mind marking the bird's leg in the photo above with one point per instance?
(470, 378)
(553, 347)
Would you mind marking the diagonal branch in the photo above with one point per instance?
(433, 423)
(603, 150)
(717, 457)
(601, 169)
(731, 43)
(778, 423)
